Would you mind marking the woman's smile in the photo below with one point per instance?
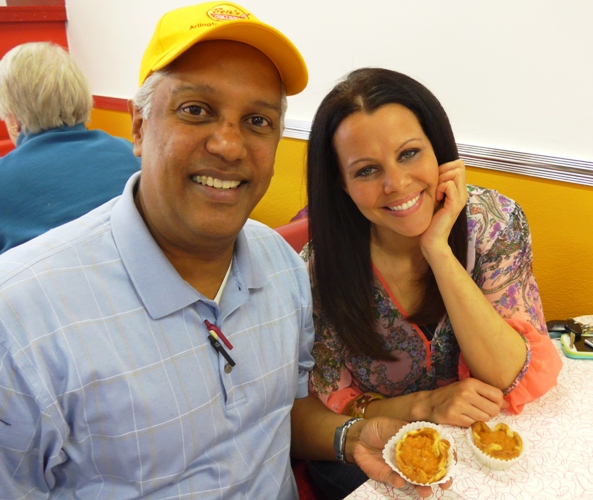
(407, 207)
(389, 168)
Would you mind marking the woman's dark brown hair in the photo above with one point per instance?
(339, 233)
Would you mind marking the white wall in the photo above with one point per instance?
(512, 74)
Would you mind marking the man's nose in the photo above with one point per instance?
(227, 142)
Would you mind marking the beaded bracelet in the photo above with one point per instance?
(357, 406)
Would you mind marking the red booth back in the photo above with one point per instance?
(296, 233)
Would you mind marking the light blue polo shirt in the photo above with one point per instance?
(109, 387)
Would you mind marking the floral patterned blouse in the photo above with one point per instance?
(500, 263)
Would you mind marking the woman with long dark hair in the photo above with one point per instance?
(426, 307)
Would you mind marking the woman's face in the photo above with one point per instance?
(389, 169)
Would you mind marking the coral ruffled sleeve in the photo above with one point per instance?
(539, 374)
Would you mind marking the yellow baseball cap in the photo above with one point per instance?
(180, 29)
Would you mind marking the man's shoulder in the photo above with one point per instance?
(59, 246)
(259, 233)
(270, 248)
(10, 166)
(108, 144)
(106, 138)
(255, 228)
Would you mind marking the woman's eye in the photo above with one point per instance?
(408, 153)
(259, 121)
(365, 171)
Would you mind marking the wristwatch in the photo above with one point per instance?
(340, 440)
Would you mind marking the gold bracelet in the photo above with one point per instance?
(357, 407)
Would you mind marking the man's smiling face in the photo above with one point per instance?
(208, 144)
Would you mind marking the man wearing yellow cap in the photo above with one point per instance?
(155, 347)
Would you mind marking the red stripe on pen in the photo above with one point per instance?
(217, 331)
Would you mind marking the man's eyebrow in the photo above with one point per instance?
(205, 88)
(268, 105)
(199, 87)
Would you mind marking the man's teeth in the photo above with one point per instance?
(216, 183)
(406, 205)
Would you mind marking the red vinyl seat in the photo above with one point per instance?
(296, 233)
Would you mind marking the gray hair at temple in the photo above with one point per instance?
(42, 86)
(144, 95)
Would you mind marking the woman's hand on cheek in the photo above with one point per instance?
(451, 193)
(452, 184)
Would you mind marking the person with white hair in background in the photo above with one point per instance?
(59, 170)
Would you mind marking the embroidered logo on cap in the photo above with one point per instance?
(226, 12)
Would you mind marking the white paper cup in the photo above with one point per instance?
(389, 450)
(487, 460)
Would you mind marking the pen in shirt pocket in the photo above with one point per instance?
(217, 333)
(218, 347)
(214, 335)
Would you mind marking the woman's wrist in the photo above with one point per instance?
(438, 254)
(357, 407)
(422, 406)
(411, 407)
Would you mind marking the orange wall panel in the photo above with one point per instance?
(117, 123)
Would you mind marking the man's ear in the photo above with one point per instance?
(13, 127)
(137, 130)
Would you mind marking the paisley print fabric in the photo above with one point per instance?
(500, 263)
